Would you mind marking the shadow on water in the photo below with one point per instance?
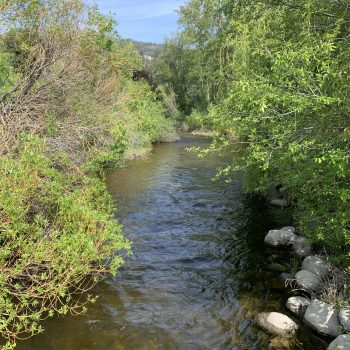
(199, 273)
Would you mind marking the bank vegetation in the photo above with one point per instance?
(272, 77)
(69, 110)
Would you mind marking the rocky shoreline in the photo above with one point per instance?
(310, 281)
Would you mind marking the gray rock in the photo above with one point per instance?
(323, 318)
(316, 265)
(308, 280)
(342, 342)
(277, 323)
(277, 202)
(344, 317)
(302, 247)
(288, 228)
(298, 305)
(280, 238)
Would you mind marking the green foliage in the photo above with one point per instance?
(8, 77)
(56, 227)
(69, 112)
(279, 77)
(198, 120)
(146, 117)
(103, 26)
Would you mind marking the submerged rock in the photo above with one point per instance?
(344, 317)
(316, 265)
(277, 267)
(308, 280)
(302, 247)
(279, 343)
(280, 238)
(342, 342)
(277, 323)
(278, 202)
(298, 305)
(323, 318)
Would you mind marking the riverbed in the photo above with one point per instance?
(199, 273)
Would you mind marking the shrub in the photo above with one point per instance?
(58, 238)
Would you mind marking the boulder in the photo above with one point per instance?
(302, 247)
(298, 305)
(344, 318)
(278, 202)
(342, 342)
(288, 228)
(323, 318)
(277, 323)
(316, 265)
(308, 280)
(280, 238)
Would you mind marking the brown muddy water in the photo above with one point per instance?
(199, 273)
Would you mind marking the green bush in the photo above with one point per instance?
(69, 112)
(143, 116)
(278, 79)
(58, 237)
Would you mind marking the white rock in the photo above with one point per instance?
(280, 238)
(342, 342)
(316, 265)
(298, 305)
(277, 323)
(302, 247)
(288, 228)
(308, 280)
(344, 317)
(323, 318)
(279, 202)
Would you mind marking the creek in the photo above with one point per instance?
(199, 273)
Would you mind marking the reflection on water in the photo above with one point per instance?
(198, 275)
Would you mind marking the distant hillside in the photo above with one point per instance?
(146, 49)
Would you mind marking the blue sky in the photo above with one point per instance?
(145, 20)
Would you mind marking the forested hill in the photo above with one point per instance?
(147, 48)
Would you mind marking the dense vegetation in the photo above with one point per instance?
(69, 110)
(272, 76)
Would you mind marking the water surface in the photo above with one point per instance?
(199, 273)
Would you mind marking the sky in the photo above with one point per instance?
(144, 20)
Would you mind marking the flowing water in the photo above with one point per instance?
(199, 273)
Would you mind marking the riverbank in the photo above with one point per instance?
(317, 292)
(70, 111)
(199, 273)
